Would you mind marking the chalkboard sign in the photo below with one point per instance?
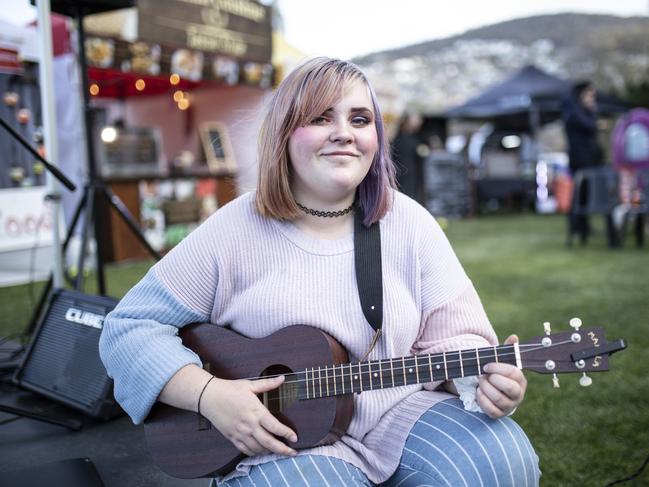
(216, 147)
(446, 181)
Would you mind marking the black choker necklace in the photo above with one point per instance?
(328, 214)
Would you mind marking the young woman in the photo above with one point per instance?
(284, 255)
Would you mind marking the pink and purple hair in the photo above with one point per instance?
(307, 92)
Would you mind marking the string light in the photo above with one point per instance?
(24, 115)
(174, 79)
(140, 84)
(94, 89)
(11, 98)
(183, 104)
(178, 95)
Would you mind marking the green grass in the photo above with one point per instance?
(525, 275)
(18, 302)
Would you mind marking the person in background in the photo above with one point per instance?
(284, 254)
(584, 151)
(408, 161)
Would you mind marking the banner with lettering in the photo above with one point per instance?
(236, 28)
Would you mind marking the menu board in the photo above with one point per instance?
(237, 28)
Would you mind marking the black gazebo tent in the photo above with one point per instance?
(526, 100)
(522, 103)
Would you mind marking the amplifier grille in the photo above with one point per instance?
(63, 359)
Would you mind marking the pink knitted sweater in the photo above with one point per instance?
(259, 275)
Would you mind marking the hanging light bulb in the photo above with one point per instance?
(183, 104)
(174, 79)
(178, 95)
(94, 89)
(24, 115)
(108, 134)
(11, 98)
(140, 84)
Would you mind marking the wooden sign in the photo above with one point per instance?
(215, 145)
(236, 28)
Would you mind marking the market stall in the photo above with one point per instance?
(510, 164)
(176, 90)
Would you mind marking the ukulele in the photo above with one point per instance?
(316, 399)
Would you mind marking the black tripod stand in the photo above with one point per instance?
(96, 194)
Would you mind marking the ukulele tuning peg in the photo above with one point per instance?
(555, 381)
(585, 381)
(575, 323)
(546, 328)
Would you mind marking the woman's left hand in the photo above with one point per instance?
(502, 388)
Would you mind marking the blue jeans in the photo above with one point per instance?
(447, 446)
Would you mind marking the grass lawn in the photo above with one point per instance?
(525, 275)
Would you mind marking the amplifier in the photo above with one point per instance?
(62, 360)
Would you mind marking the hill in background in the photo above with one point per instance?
(435, 75)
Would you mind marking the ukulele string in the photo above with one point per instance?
(283, 396)
(346, 374)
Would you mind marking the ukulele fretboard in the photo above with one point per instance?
(334, 380)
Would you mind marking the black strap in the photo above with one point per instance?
(369, 274)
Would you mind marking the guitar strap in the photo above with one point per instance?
(369, 274)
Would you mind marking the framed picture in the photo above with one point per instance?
(216, 147)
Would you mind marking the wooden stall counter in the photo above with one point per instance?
(165, 207)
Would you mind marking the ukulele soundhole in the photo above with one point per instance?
(281, 398)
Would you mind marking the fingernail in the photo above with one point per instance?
(487, 368)
(293, 438)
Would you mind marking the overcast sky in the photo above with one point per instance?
(347, 28)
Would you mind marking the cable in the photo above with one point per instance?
(633, 475)
(9, 353)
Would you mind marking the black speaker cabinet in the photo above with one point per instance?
(62, 361)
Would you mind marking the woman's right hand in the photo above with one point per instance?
(233, 408)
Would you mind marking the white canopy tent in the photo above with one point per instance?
(23, 39)
(32, 255)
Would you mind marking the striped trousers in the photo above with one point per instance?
(448, 446)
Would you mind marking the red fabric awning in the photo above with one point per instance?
(121, 84)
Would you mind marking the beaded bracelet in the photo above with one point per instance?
(200, 396)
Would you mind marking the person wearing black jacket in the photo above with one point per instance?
(583, 149)
(409, 164)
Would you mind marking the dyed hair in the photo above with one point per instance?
(307, 92)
